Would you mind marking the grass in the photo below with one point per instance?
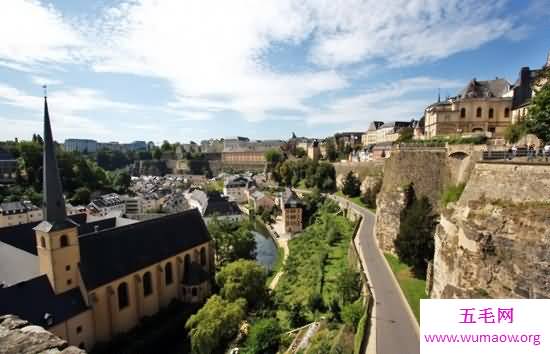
(307, 270)
(452, 193)
(356, 200)
(413, 288)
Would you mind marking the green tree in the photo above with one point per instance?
(216, 322)
(352, 185)
(296, 315)
(352, 313)
(273, 157)
(81, 196)
(538, 118)
(232, 240)
(264, 337)
(405, 135)
(514, 132)
(331, 152)
(122, 182)
(415, 242)
(166, 146)
(369, 197)
(300, 152)
(349, 285)
(157, 153)
(242, 279)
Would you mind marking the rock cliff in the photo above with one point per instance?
(495, 241)
(18, 336)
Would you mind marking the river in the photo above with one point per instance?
(266, 250)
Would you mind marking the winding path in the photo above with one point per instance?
(396, 328)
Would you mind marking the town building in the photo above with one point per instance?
(175, 203)
(369, 138)
(261, 201)
(80, 145)
(222, 208)
(243, 154)
(94, 281)
(236, 188)
(348, 138)
(198, 199)
(291, 207)
(108, 204)
(481, 107)
(314, 151)
(525, 87)
(16, 213)
(8, 168)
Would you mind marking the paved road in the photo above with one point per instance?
(396, 331)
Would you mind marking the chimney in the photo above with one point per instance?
(524, 76)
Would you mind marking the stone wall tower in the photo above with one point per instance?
(57, 236)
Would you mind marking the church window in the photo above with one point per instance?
(122, 296)
(478, 112)
(69, 281)
(491, 113)
(78, 329)
(64, 241)
(168, 276)
(43, 242)
(147, 284)
(67, 267)
(203, 256)
(462, 112)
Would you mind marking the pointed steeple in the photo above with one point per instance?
(53, 201)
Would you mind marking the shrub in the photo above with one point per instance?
(352, 313)
(264, 337)
(352, 185)
(452, 193)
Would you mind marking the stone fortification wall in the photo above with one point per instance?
(495, 241)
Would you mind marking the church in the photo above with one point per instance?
(89, 281)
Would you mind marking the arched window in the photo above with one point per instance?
(203, 256)
(491, 112)
(463, 113)
(147, 284)
(506, 112)
(42, 242)
(186, 265)
(478, 112)
(168, 277)
(122, 293)
(64, 241)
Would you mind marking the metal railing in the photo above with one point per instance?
(520, 155)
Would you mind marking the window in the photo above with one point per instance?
(122, 296)
(478, 112)
(203, 256)
(42, 242)
(194, 292)
(79, 329)
(67, 267)
(462, 112)
(69, 281)
(168, 277)
(491, 113)
(506, 112)
(64, 241)
(147, 284)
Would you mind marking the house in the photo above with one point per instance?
(240, 153)
(369, 138)
(529, 80)
(260, 201)
(222, 208)
(8, 167)
(481, 107)
(236, 188)
(291, 207)
(108, 204)
(15, 213)
(89, 282)
(175, 203)
(198, 199)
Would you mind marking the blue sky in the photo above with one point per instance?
(190, 70)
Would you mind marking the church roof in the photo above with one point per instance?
(16, 265)
(114, 253)
(32, 299)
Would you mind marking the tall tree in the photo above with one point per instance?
(331, 152)
(538, 118)
(242, 279)
(352, 185)
(415, 242)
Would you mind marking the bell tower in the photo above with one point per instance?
(57, 236)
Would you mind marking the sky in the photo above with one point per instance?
(197, 69)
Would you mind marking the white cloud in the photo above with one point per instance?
(32, 33)
(384, 102)
(41, 80)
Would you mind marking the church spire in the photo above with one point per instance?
(53, 202)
